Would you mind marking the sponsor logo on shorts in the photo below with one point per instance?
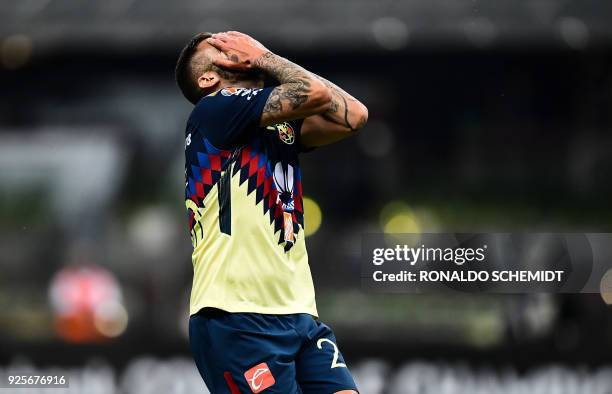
(259, 378)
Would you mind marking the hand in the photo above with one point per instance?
(240, 50)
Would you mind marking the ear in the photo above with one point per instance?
(208, 80)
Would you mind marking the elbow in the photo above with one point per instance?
(358, 119)
(362, 117)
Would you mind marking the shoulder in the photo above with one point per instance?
(230, 115)
(229, 99)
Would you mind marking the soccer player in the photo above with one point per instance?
(253, 325)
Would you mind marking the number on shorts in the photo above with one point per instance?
(335, 363)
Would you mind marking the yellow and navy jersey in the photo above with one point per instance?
(243, 194)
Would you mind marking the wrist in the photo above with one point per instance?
(261, 61)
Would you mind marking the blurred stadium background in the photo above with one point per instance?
(484, 115)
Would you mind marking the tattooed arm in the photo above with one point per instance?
(345, 109)
(330, 114)
(344, 116)
(300, 93)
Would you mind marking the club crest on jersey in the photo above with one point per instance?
(285, 132)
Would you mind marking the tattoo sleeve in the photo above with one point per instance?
(340, 98)
(296, 89)
(295, 83)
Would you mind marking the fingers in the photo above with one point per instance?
(237, 34)
(239, 48)
(225, 37)
(224, 63)
(228, 64)
(220, 36)
(231, 36)
(217, 43)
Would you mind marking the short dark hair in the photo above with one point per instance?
(183, 72)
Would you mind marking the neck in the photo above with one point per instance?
(250, 84)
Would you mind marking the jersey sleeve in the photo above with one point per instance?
(297, 125)
(230, 116)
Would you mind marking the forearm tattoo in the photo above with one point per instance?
(295, 87)
(339, 94)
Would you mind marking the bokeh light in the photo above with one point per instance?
(397, 217)
(88, 304)
(152, 229)
(574, 32)
(110, 318)
(605, 287)
(390, 32)
(312, 216)
(480, 31)
(15, 51)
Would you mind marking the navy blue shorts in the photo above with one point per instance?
(251, 353)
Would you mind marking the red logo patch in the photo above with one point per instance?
(259, 378)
